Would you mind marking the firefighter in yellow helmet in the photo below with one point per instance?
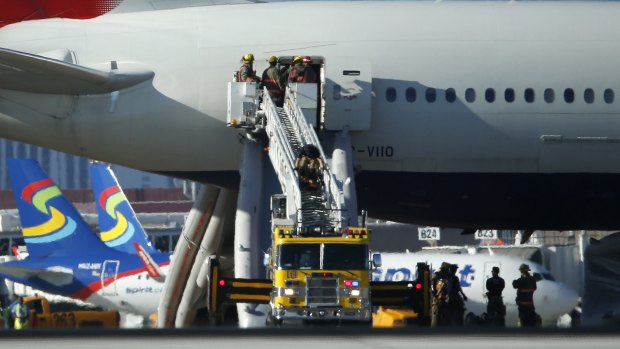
(246, 72)
(272, 80)
(295, 69)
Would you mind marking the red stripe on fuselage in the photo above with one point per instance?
(87, 291)
(13, 11)
(33, 187)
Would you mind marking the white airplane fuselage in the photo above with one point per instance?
(551, 298)
(138, 294)
(545, 164)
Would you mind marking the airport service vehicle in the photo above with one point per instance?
(42, 316)
(324, 277)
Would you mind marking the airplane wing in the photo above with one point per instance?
(54, 275)
(33, 73)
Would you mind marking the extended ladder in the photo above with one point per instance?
(322, 210)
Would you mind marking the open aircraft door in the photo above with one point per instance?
(109, 273)
(348, 93)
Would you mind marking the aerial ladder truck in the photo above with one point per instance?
(319, 265)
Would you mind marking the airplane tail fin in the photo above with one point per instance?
(50, 223)
(120, 229)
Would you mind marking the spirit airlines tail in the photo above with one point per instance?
(118, 224)
(551, 298)
(464, 114)
(67, 258)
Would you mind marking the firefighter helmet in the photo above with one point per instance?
(272, 59)
(445, 266)
(248, 57)
(307, 59)
(524, 267)
(297, 59)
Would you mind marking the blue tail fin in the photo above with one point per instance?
(50, 223)
(120, 228)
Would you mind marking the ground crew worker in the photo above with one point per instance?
(439, 289)
(21, 313)
(272, 80)
(246, 72)
(526, 285)
(455, 303)
(496, 311)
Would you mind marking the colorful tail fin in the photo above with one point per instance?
(50, 223)
(120, 228)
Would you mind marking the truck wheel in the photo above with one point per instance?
(273, 321)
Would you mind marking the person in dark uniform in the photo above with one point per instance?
(440, 294)
(496, 311)
(272, 80)
(526, 285)
(455, 305)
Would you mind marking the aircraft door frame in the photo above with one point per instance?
(109, 269)
(347, 94)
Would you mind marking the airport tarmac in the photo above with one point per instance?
(315, 337)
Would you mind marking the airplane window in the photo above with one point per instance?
(529, 95)
(431, 95)
(450, 95)
(470, 95)
(608, 96)
(390, 94)
(569, 95)
(588, 95)
(549, 95)
(411, 94)
(509, 95)
(489, 95)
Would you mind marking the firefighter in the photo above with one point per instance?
(246, 72)
(496, 310)
(310, 75)
(455, 303)
(309, 165)
(296, 69)
(272, 80)
(526, 285)
(439, 289)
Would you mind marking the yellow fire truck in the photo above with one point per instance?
(322, 278)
